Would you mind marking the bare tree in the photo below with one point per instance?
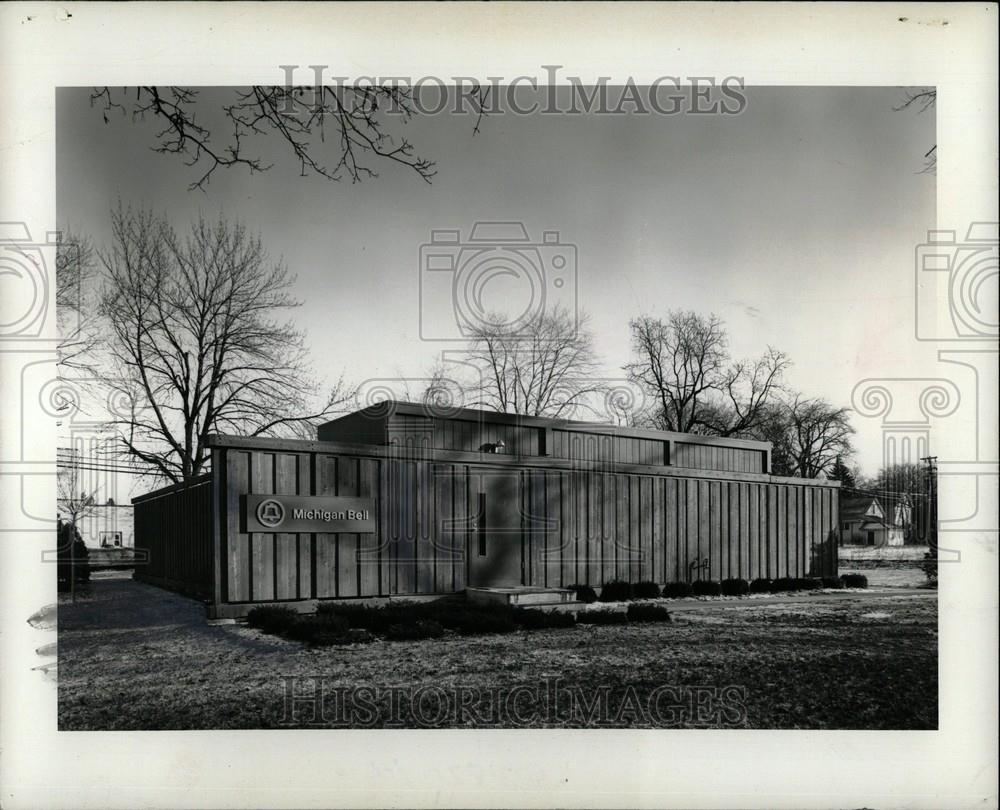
(684, 364)
(547, 368)
(73, 499)
(348, 123)
(76, 316)
(441, 390)
(195, 344)
(922, 99)
(809, 436)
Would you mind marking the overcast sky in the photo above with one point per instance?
(795, 222)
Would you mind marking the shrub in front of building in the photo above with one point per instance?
(735, 587)
(647, 613)
(677, 590)
(930, 567)
(584, 593)
(272, 619)
(421, 619)
(376, 619)
(645, 590)
(784, 584)
(834, 583)
(761, 585)
(323, 630)
(616, 591)
(854, 580)
(706, 587)
(808, 583)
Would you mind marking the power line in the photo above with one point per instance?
(105, 468)
(888, 493)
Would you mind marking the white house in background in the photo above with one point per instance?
(863, 523)
(86, 474)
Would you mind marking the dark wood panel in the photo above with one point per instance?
(441, 531)
(368, 544)
(262, 544)
(704, 550)
(238, 545)
(460, 543)
(616, 536)
(656, 544)
(644, 506)
(693, 552)
(286, 546)
(579, 525)
(595, 503)
(406, 531)
(716, 550)
(306, 541)
(792, 516)
(670, 552)
(753, 534)
(326, 544)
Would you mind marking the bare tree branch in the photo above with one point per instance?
(809, 436)
(76, 316)
(356, 116)
(683, 362)
(548, 368)
(922, 100)
(195, 345)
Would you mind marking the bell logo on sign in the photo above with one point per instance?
(270, 513)
(325, 514)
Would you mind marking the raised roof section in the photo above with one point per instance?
(471, 429)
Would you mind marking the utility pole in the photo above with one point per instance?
(930, 511)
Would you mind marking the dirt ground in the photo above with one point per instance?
(132, 656)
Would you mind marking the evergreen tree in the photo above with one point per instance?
(840, 472)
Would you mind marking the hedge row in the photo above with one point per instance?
(335, 623)
(321, 629)
(619, 591)
(350, 624)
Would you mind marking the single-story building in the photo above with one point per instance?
(863, 523)
(402, 500)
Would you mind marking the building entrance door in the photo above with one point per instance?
(495, 551)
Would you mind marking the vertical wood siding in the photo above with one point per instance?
(711, 457)
(595, 448)
(579, 526)
(175, 530)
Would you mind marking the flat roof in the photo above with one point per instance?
(388, 407)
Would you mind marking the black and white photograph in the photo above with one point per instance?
(347, 402)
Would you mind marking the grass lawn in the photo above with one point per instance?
(910, 577)
(132, 656)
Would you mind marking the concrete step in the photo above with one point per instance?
(521, 597)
